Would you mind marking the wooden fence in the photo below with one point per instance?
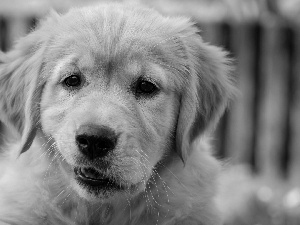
(263, 127)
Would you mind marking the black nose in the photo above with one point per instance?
(95, 141)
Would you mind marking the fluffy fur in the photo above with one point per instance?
(162, 158)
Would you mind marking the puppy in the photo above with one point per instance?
(109, 108)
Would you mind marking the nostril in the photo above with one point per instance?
(82, 142)
(106, 143)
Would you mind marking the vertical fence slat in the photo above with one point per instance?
(240, 124)
(295, 115)
(3, 33)
(272, 115)
(3, 47)
(226, 43)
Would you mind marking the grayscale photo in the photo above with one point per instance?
(162, 112)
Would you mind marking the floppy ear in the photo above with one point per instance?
(21, 87)
(21, 82)
(207, 93)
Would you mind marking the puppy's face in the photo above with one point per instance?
(116, 90)
(112, 118)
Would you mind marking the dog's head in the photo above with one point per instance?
(116, 90)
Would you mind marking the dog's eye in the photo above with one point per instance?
(73, 81)
(145, 88)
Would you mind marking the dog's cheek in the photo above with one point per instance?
(55, 123)
(130, 160)
(55, 127)
(51, 120)
(54, 108)
(161, 116)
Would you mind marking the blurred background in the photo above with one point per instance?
(259, 138)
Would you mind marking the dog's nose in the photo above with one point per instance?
(95, 141)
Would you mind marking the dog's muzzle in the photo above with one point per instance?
(95, 142)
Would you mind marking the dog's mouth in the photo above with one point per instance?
(92, 178)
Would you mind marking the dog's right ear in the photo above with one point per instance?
(20, 90)
(21, 85)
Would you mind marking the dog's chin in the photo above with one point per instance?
(97, 183)
(95, 186)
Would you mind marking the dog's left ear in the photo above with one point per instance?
(206, 95)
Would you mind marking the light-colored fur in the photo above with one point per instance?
(162, 158)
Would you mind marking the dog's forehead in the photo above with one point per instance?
(103, 66)
(113, 37)
(114, 29)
